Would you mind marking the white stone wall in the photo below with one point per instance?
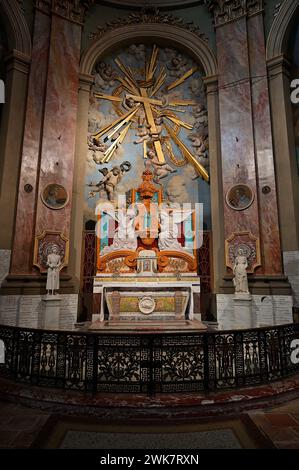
(291, 269)
(26, 311)
(4, 264)
(267, 310)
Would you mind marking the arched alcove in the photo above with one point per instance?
(280, 31)
(16, 27)
(168, 36)
(16, 62)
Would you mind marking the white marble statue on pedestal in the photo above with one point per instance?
(240, 272)
(54, 265)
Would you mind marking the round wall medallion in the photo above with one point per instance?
(147, 305)
(239, 197)
(28, 188)
(266, 190)
(55, 196)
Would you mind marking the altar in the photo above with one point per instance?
(146, 262)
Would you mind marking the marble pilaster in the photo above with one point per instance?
(237, 142)
(25, 214)
(59, 130)
(246, 134)
(4, 264)
(268, 208)
(49, 141)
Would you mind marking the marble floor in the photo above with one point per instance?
(22, 427)
(214, 439)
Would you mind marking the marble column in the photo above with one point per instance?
(246, 137)
(266, 184)
(59, 128)
(216, 182)
(50, 133)
(77, 227)
(21, 262)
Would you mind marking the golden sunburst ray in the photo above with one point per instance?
(186, 152)
(177, 102)
(110, 151)
(102, 96)
(159, 82)
(179, 122)
(126, 71)
(167, 111)
(182, 78)
(121, 124)
(127, 85)
(117, 121)
(151, 66)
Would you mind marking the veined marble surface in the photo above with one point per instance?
(26, 311)
(291, 269)
(4, 264)
(267, 310)
(213, 439)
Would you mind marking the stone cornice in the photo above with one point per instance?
(85, 82)
(147, 16)
(72, 10)
(225, 11)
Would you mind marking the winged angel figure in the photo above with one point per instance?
(170, 218)
(125, 236)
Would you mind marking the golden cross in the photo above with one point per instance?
(147, 101)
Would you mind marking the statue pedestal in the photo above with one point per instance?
(242, 313)
(50, 314)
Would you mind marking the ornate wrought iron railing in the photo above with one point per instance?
(148, 363)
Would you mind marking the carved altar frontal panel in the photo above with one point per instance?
(250, 245)
(146, 305)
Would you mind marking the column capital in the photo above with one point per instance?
(225, 11)
(279, 65)
(211, 83)
(71, 10)
(85, 82)
(16, 60)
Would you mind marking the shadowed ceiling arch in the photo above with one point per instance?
(282, 26)
(16, 28)
(170, 35)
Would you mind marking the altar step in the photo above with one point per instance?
(181, 326)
